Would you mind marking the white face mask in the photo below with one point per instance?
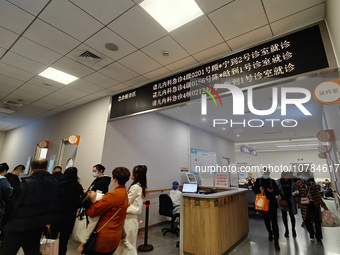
(304, 178)
(265, 176)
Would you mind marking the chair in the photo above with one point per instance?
(165, 208)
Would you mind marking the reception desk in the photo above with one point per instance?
(212, 224)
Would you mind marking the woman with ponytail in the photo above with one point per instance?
(136, 193)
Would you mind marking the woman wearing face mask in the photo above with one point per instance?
(271, 190)
(309, 200)
(286, 200)
(102, 181)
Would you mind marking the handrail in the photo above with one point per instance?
(157, 190)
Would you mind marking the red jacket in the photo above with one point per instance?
(109, 237)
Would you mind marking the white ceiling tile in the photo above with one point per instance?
(85, 86)
(156, 49)
(72, 67)
(239, 17)
(77, 93)
(51, 99)
(70, 19)
(140, 62)
(216, 51)
(104, 10)
(50, 37)
(34, 51)
(32, 6)
(2, 51)
(5, 90)
(277, 9)
(157, 74)
(119, 87)
(91, 97)
(79, 102)
(197, 35)
(43, 106)
(98, 41)
(15, 72)
(208, 6)
(118, 72)
(10, 81)
(250, 38)
(101, 80)
(138, 27)
(104, 93)
(44, 83)
(182, 64)
(138, 81)
(62, 96)
(23, 63)
(25, 96)
(33, 88)
(13, 18)
(7, 37)
(298, 20)
(75, 55)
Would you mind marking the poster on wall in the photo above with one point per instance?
(222, 180)
(202, 160)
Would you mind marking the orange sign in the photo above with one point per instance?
(73, 139)
(326, 135)
(328, 92)
(43, 144)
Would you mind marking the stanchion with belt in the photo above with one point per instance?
(146, 247)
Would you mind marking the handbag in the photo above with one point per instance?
(261, 202)
(281, 201)
(49, 246)
(90, 245)
(80, 225)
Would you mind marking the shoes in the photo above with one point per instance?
(294, 233)
(128, 245)
(277, 246)
(320, 243)
(312, 239)
(287, 233)
(303, 224)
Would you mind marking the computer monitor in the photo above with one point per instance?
(191, 178)
(190, 188)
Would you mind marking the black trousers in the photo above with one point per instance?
(270, 220)
(313, 221)
(29, 241)
(65, 230)
(285, 219)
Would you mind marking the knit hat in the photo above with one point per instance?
(175, 185)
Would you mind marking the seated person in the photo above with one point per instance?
(175, 196)
(328, 190)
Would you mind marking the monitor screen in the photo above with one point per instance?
(189, 188)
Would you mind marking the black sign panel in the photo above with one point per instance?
(294, 54)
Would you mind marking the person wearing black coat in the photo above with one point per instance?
(13, 177)
(271, 190)
(102, 181)
(57, 173)
(69, 200)
(33, 208)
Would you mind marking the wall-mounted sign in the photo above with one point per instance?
(184, 169)
(323, 148)
(328, 92)
(322, 155)
(43, 144)
(248, 150)
(73, 139)
(287, 56)
(326, 135)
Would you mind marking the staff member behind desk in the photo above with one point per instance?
(33, 209)
(271, 190)
(102, 181)
(109, 237)
(175, 196)
(13, 177)
(309, 200)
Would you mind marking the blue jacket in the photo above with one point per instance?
(6, 192)
(291, 198)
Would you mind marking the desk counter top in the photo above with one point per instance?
(219, 194)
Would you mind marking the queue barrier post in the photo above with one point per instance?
(146, 247)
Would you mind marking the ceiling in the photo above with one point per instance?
(36, 34)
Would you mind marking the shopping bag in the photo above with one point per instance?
(329, 219)
(261, 202)
(49, 246)
(80, 226)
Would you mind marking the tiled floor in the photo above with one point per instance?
(255, 244)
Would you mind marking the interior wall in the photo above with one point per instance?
(284, 158)
(2, 141)
(88, 121)
(333, 21)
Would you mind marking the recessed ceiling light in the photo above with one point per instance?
(111, 46)
(238, 135)
(172, 14)
(59, 76)
(204, 119)
(224, 129)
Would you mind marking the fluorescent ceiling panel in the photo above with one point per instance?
(59, 76)
(172, 14)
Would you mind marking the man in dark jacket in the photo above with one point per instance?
(13, 177)
(6, 190)
(57, 173)
(271, 190)
(33, 208)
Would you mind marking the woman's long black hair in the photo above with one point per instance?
(139, 172)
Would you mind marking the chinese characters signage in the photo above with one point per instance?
(287, 56)
(328, 92)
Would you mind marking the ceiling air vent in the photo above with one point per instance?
(90, 57)
(12, 104)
